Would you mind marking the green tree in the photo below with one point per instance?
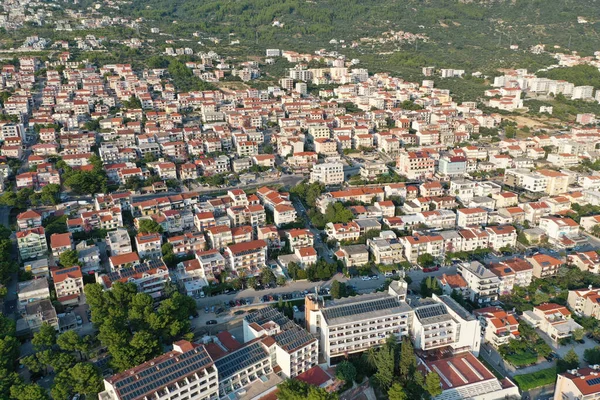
(345, 371)
(408, 362)
(578, 334)
(149, 226)
(267, 276)
(433, 385)
(71, 341)
(69, 258)
(385, 363)
(45, 338)
(28, 392)
(336, 290)
(569, 361)
(396, 392)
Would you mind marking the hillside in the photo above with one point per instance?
(457, 31)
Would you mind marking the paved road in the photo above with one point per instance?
(321, 247)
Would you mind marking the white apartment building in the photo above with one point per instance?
(471, 217)
(328, 173)
(187, 371)
(483, 283)
(32, 243)
(355, 324)
(443, 323)
(32, 290)
(585, 302)
(118, 242)
(148, 245)
(552, 319)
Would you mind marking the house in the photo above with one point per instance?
(284, 214)
(250, 257)
(501, 236)
(453, 283)
(558, 228)
(588, 223)
(149, 277)
(219, 236)
(148, 245)
(29, 219)
(544, 265)
(188, 243)
(471, 217)
(118, 242)
(552, 319)
(498, 325)
(585, 261)
(61, 242)
(32, 290)
(32, 243)
(40, 312)
(306, 255)
(354, 255)
(585, 302)
(578, 384)
(328, 173)
(348, 231)
(68, 283)
(299, 238)
(125, 260)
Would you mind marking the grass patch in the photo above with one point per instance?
(522, 359)
(536, 379)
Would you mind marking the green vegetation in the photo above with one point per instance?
(293, 389)
(129, 326)
(527, 349)
(579, 75)
(536, 379)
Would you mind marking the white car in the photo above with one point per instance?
(365, 278)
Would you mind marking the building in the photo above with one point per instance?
(32, 290)
(68, 283)
(442, 323)
(118, 242)
(61, 242)
(354, 255)
(585, 302)
(544, 265)
(498, 325)
(471, 217)
(415, 165)
(328, 173)
(463, 376)
(552, 319)
(578, 384)
(149, 277)
(355, 324)
(501, 236)
(296, 351)
(483, 283)
(32, 243)
(148, 245)
(29, 219)
(39, 312)
(187, 371)
(250, 257)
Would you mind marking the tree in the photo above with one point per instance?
(596, 230)
(433, 385)
(578, 334)
(346, 371)
(408, 361)
(28, 392)
(45, 338)
(267, 276)
(252, 282)
(396, 392)
(149, 226)
(384, 362)
(569, 361)
(69, 258)
(86, 379)
(281, 281)
(336, 290)
(71, 341)
(592, 356)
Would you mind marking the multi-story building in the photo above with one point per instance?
(501, 236)
(558, 228)
(347, 231)
(585, 302)
(483, 283)
(32, 243)
(552, 319)
(443, 323)
(149, 277)
(415, 165)
(219, 236)
(68, 283)
(188, 243)
(585, 261)
(463, 376)
(328, 173)
(544, 265)
(386, 249)
(118, 242)
(148, 245)
(187, 371)
(471, 217)
(498, 325)
(578, 384)
(32, 290)
(355, 324)
(418, 245)
(125, 260)
(29, 219)
(284, 214)
(298, 238)
(249, 256)
(61, 242)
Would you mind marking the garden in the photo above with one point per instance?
(526, 350)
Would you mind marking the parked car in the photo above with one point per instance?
(79, 320)
(365, 278)
(206, 309)
(211, 322)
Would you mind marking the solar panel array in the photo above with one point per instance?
(593, 381)
(240, 360)
(161, 374)
(66, 271)
(360, 308)
(435, 310)
(267, 314)
(293, 339)
(140, 269)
